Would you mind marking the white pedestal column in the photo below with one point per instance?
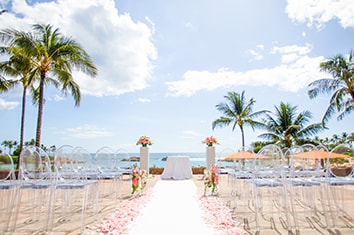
(144, 158)
(210, 157)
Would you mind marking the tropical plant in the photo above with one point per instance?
(335, 140)
(341, 85)
(18, 66)
(287, 126)
(53, 57)
(9, 144)
(238, 112)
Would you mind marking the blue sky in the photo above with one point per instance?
(164, 65)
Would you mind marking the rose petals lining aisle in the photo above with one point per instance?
(117, 222)
(172, 207)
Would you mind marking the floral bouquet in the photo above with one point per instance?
(139, 180)
(144, 141)
(211, 180)
(209, 141)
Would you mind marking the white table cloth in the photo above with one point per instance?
(177, 167)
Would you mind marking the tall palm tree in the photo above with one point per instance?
(341, 85)
(53, 56)
(287, 126)
(18, 65)
(238, 112)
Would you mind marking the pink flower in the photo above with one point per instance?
(144, 141)
(209, 141)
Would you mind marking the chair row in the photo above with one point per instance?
(300, 186)
(70, 174)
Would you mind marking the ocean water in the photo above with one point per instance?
(155, 160)
(196, 159)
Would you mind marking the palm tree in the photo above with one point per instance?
(238, 112)
(9, 144)
(287, 127)
(341, 85)
(52, 56)
(18, 65)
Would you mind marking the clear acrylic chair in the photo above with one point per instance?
(109, 174)
(125, 167)
(124, 163)
(303, 187)
(268, 191)
(340, 167)
(223, 163)
(72, 186)
(8, 192)
(243, 166)
(38, 182)
(91, 173)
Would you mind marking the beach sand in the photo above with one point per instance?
(107, 206)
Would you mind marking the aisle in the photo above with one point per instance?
(172, 209)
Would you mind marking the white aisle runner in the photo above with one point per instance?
(173, 209)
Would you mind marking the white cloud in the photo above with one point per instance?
(121, 48)
(189, 134)
(58, 98)
(318, 12)
(301, 50)
(8, 104)
(144, 100)
(256, 54)
(296, 71)
(189, 26)
(88, 132)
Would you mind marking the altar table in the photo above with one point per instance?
(177, 167)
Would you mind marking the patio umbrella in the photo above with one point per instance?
(319, 154)
(241, 155)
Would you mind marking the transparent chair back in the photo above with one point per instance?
(36, 180)
(8, 193)
(124, 162)
(109, 174)
(267, 185)
(340, 164)
(72, 185)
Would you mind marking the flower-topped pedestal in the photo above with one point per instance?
(144, 141)
(210, 151)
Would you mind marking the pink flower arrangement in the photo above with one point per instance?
(209, 141)
(144, 141)
(139, 180)
(211, 179)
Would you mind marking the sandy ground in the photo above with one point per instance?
(235, 194)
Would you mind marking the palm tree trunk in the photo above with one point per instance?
(242, 136)
(40, 110)
(22, 128)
